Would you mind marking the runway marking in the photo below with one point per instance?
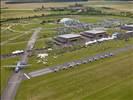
(28, 77)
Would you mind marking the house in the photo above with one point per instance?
(127, 27)
(68, 39)
(94, 34)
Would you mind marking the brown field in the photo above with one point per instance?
(34, 5)
(126, 6)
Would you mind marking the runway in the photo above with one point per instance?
(16, 78)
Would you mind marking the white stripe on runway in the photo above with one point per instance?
(26, 76)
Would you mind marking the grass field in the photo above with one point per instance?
(109, 79)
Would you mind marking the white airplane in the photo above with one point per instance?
(17, 67)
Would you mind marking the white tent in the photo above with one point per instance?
(65, 20)
(42, 55)
(69, 21)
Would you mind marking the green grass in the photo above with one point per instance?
(109, 79)
(14, 13)
(95, 19)
(112, 30)
(90, 19)
(9, 48)
(40, 43)
(23, 38)
(7, 35)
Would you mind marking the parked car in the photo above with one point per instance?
(111, 54)
(101, 56)
(84, 62)
(106, 55)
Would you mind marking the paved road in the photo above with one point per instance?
(16, 78)
(78, 62)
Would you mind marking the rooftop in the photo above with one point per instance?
(95, 31)
(68, 36)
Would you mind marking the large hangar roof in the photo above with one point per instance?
(69, 36)
(95, 31)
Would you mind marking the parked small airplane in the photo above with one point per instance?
(17, 67)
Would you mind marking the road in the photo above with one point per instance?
(77, 62)
(16, 78)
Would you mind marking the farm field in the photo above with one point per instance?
(25, 10)
(102, 80)
(121, 5)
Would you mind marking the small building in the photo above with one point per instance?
(127, 27)
(68, 39)
(94, 34)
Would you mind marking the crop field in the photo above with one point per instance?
(25, 10)
(102, 80)
(121, 5)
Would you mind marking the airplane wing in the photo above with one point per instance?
(9, 66)
(13, 66)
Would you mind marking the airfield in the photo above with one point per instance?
(100, 71)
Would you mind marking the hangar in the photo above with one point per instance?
(68, 39)
(94, 34)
